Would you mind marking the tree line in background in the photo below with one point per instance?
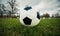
(56, 15)
(9, 10)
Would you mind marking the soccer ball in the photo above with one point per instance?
(29, 16)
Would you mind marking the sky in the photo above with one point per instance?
(45, 6)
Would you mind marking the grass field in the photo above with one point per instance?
(46, 27)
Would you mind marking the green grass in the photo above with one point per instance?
(13, 27)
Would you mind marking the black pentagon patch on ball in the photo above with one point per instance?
(38, 15)
(27, 8)
(27, 21)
